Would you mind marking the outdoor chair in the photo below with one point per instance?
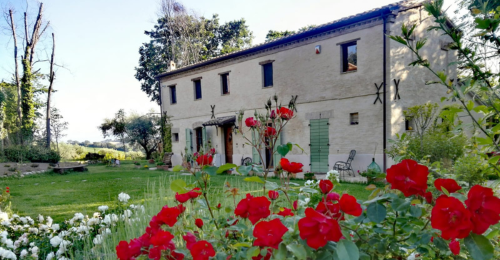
(246, 161)
(343, 167)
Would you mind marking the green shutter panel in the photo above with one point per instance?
(277, 156)
(204, 137)
(188, 141)
(319, 137)
(255, 153)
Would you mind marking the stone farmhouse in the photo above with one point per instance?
(352, 81)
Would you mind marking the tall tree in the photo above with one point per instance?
(145, 131)
(185, 38)
(271, 35)
(58, 126)
(115, 127)
(49, 92)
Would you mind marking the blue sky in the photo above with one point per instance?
(98, 40)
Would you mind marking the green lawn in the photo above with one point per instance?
(60, 196)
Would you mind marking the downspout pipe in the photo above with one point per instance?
(384, 135)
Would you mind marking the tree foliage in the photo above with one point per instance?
(115, 127)
(144, 131)
(185, 38)
(271, 35)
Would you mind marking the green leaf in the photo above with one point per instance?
(271, 185)
(228, 209)
(420, 43)
(398, 39)
(440, 244)
(415, 211)
(479, 247)
(253, 251)
(347, 250)
(470, 105)
(178, 186)
(226, 167)
(494, 160)
(492, 234)
(281, 253)
(376, 212)
(177, 168)
(254, 179)
(283, 149)
(202, 203)
(244, 170)
(211, 170)
(242, 244)
(297, 250)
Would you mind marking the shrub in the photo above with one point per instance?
(472, 169)
(151, 161)
(12, 169)
(6, 165)
(34, 165)
(31, 153)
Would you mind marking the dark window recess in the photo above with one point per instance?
(409, 124)
(197, 89)
(225, 83)
(349, 57)
(199, 139)
(175, 137)
(173, 95)
(354, 118)
(268, 74)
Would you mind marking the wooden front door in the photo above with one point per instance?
(228, 144)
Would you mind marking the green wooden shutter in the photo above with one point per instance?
(188, 141)
(255, 153)
(319, 136)
(204, 139)
(277, 156)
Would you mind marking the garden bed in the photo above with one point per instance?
(11, 169)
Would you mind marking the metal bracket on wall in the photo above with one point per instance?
(213, 114)
(396, 96)
(378, 92)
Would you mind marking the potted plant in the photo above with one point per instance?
(137, 165)
(370, 175)
(309, 176)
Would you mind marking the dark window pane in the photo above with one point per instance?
(173, 95)
(349, 57)
(225, 83)
(268, 75)
(197, 89)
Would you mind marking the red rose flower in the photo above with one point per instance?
(428, 197)
(274, 195)
(169, 215)
(285, 113)
(273, 115)
(251, 122)
(212, 151)
(484, 208)
(270, 132)
(450, 216)
(317, 229)
(194, 193)
(333, 196)
(161, 238)
(154, 225)
(325, 186)
(258, 209)
(219, 206)
(190, 240)
(295, 205)
(205, 159)
(449, 184)
(202, 250)
(181, 208)
(286, 212)
(291, 167)
(182, 197)
(349, 205)
(198, 222)
(242, 207)
(330, 209)
(269, 233)
(455, 246)
(123, 251)
(409, 177)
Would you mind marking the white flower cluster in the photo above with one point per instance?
(123, 197)
(311, 183)
(27, 233)
(333, 176)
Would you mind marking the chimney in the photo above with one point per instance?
(171, 66)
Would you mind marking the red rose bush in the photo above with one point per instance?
(414, 216)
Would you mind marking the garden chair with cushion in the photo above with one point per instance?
(343, 167)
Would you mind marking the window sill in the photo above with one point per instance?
(348, 72)
(173, 103)
(267, 87)
(197, 99)
(227, 94)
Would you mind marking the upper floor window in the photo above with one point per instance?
(267, 73)
(173, 94)
(224, 81)
(197, 88)
(349, 56)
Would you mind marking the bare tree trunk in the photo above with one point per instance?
(18, 84)
(51, 80)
